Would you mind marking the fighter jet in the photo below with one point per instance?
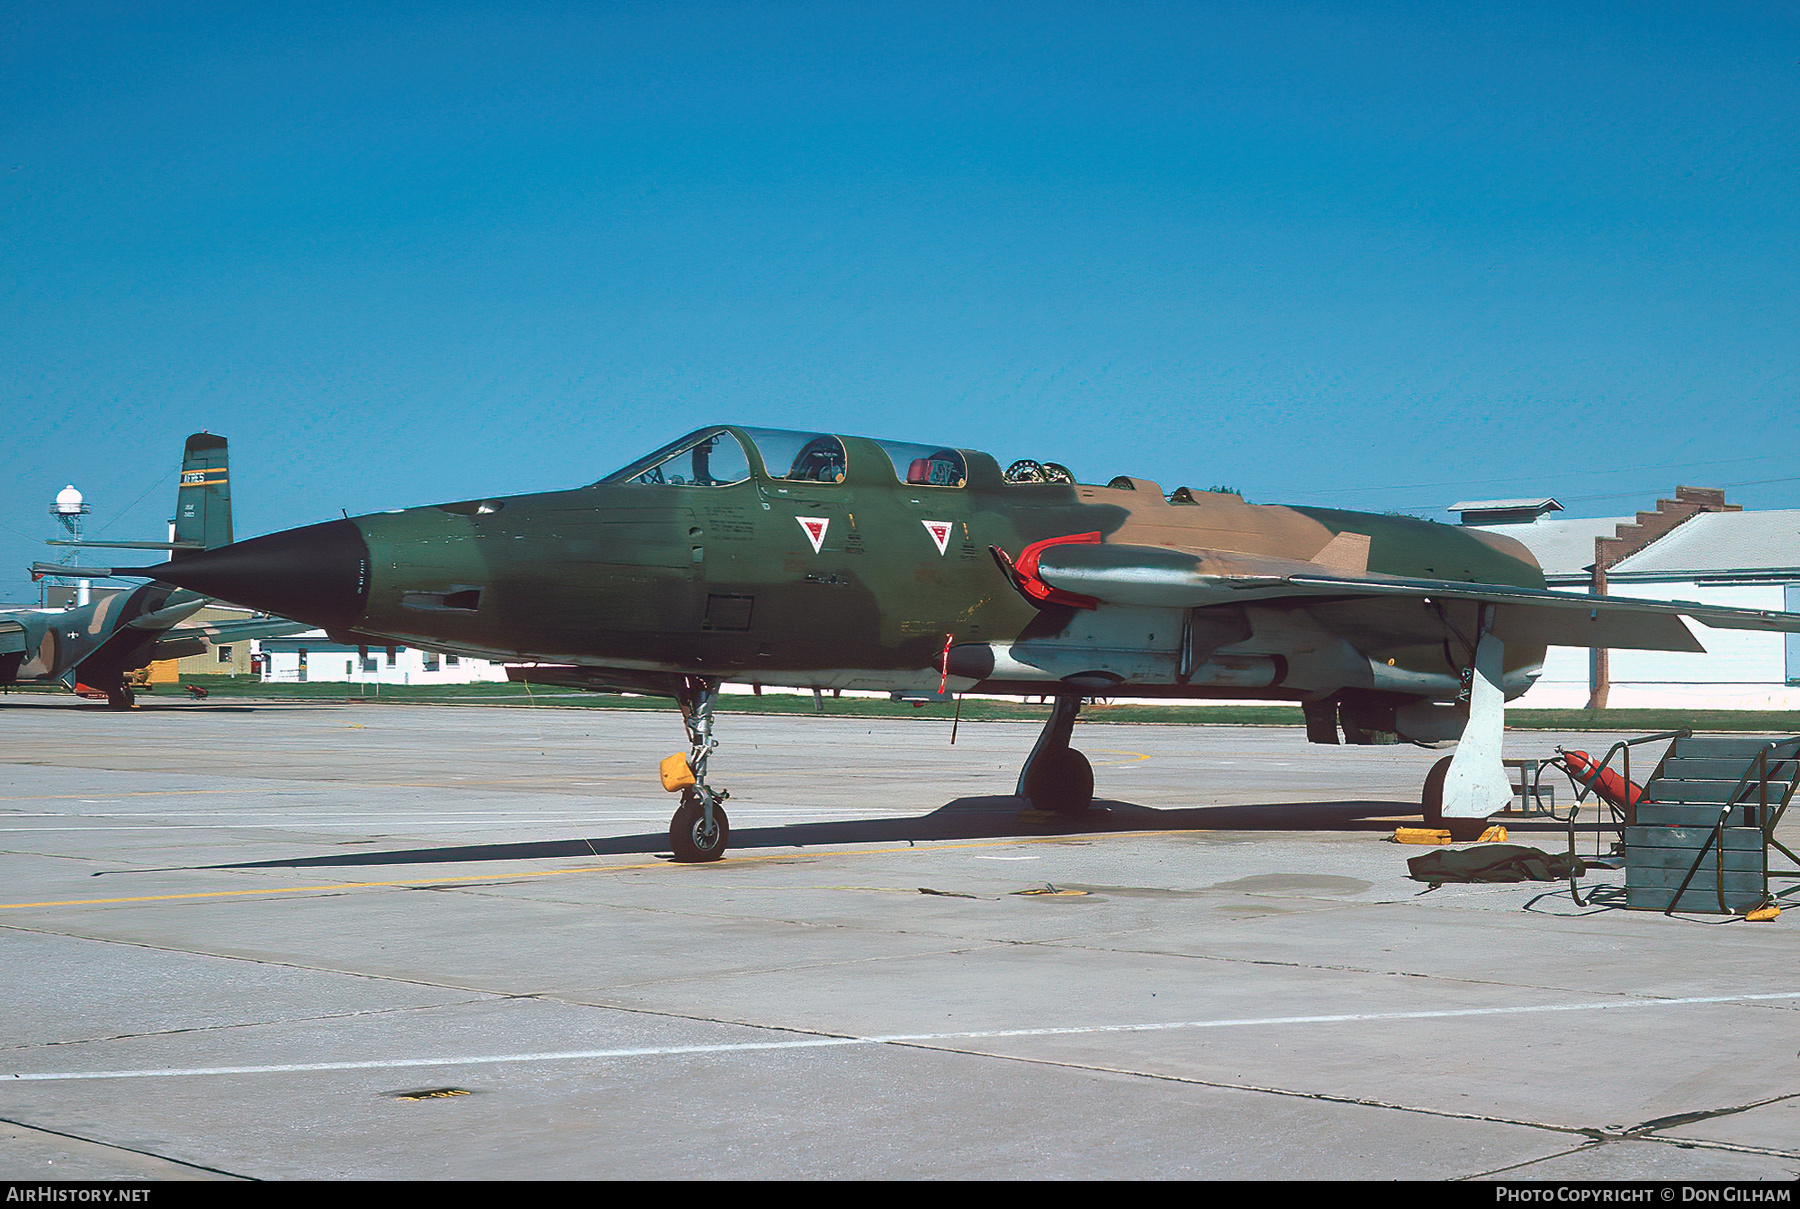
(90, 648)
(835, 562)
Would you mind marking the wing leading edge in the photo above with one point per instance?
(180, 641)
(1164, 578)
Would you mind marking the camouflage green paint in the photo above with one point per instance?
(725, 582)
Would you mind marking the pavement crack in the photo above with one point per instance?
(1647, 1128)
(1261, 1089)
(1596, 1137)
(1331, 968)
(149, 1154)
(1522, 1165)
(338, 971)
(788, 968)
(226, 1026)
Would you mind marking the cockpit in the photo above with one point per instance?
(717, 457)
(821, 460)
(710, 458)
(721, 457)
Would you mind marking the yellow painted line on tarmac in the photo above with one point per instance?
(102, 795)
(1133, 757)
(303, 786)
(483, 877)
(423, 881)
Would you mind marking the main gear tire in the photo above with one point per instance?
(1431, 801)
(1061, 784)
(690, 838)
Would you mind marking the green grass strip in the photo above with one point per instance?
(1637, 721)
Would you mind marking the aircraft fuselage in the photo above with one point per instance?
(873, 582)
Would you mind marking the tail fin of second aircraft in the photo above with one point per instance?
(203, 501)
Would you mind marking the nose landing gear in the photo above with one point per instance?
(699, 831)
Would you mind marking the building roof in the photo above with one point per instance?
(1544, 503)
(1564, 548)
(1735, 545)
(1729, 544)
(1504, 512)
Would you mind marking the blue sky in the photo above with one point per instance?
(1379, 256)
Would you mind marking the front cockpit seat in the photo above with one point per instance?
(821, 461)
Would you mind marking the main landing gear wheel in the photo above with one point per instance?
(690, 837)
(1061, 782)
(1462, 831)
(121, 697)
(1056, 777)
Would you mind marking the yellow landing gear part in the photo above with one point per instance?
(677, 773)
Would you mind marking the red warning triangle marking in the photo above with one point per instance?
(940, 533)
(814, 527)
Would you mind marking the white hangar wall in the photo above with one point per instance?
(312, 657)
(1741, 669)
(1742, 560)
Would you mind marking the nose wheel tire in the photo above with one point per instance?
(1062, 783)
(690, 837)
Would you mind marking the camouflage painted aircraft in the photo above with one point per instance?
(91, 648)
(819, 561)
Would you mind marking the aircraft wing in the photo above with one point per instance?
(165, 633)
(39, 570)
(1145, 575)
(180, 641)
(125, 644)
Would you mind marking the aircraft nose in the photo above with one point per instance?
(318, 573)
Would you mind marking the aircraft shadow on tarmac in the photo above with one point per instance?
(962, 819)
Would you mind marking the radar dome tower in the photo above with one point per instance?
(69, 509)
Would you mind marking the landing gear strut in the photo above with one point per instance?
(120, 697)
(699, 831)
(1056, 777)
(1465, 789)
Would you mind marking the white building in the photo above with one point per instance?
(1694, 548)
(303, 658)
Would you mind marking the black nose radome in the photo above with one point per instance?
(319, 573)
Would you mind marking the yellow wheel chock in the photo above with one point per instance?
(677, 773)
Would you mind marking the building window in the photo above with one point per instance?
(369, 663)
(431, 660)
(450, 661)
(393, 654)
(1791, 602)
(224, 654)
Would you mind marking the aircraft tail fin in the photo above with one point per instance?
(203, 501)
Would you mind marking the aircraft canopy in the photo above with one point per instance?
(715, 457)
